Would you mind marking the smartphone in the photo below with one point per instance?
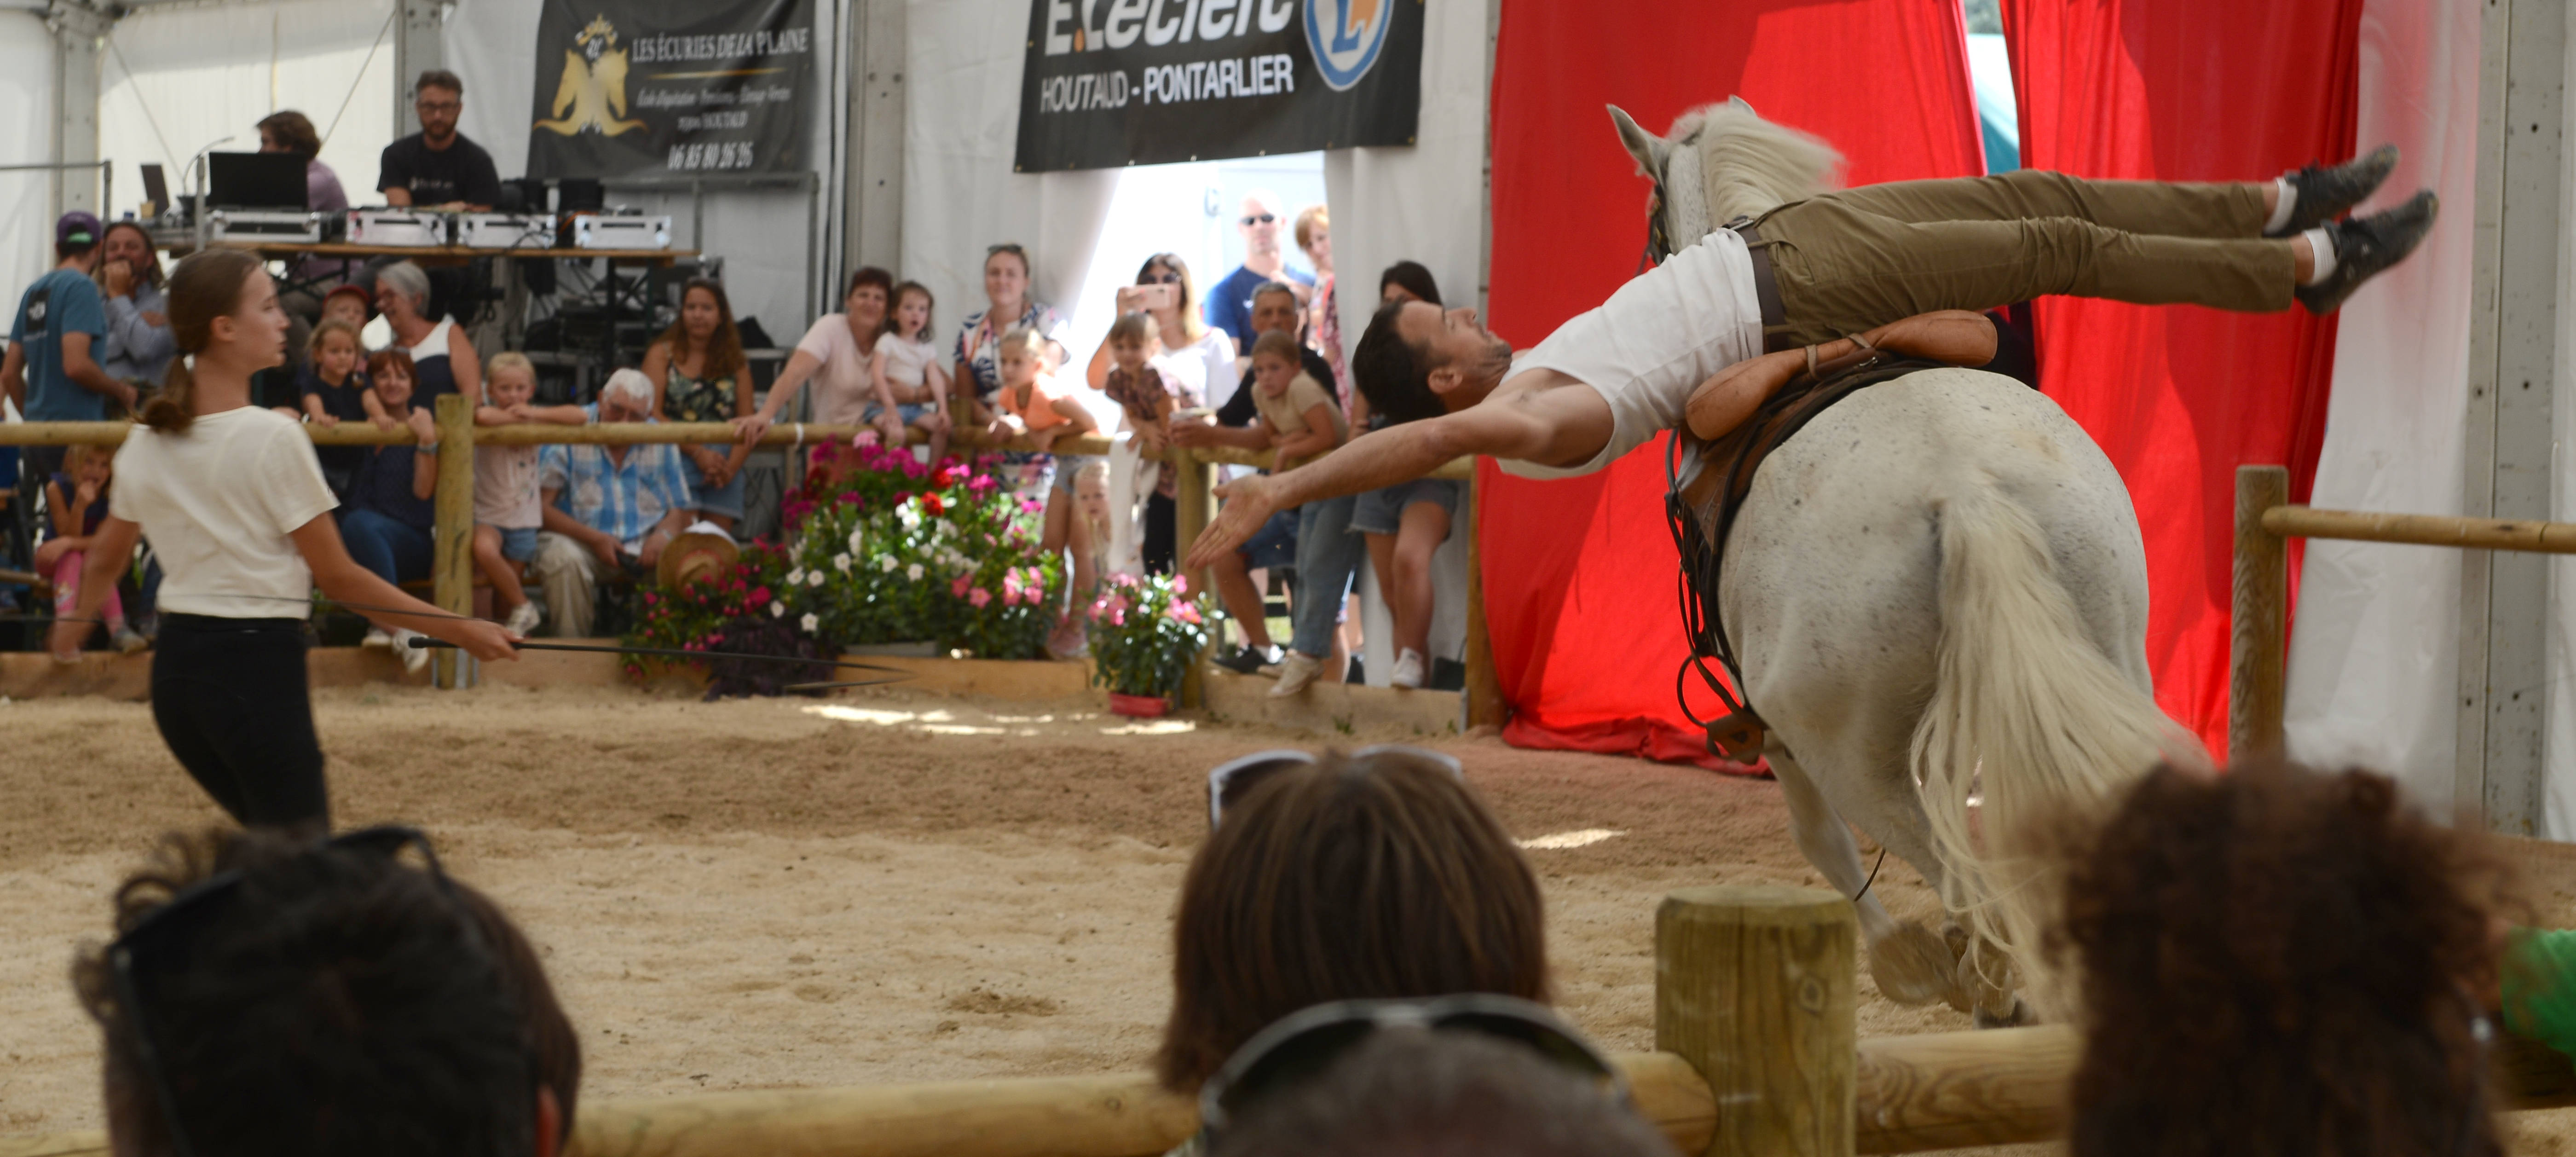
(1192, 414)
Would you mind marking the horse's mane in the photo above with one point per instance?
(1750, 166)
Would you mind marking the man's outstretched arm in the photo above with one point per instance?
(1563, 424)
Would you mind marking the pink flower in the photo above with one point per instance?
(759, 595)
(982, 483)
(1180, 584)
(1031, 506)
(1118, 617)
(978, 597)
(958, 588)
(1185, 612)
(650, 598)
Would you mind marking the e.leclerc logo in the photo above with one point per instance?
(1345, 36)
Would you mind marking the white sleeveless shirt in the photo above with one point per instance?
(1651, 344)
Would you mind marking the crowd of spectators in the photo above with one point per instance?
(91, 339)
(1360, 967)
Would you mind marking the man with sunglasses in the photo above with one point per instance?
(1229, 303)
(437, 168)
(270, 995)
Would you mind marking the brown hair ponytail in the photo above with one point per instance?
(205, 286)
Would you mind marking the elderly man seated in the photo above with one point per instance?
(608, 509)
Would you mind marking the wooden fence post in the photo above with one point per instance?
(452, 535)
(1193, 507)
(1485, 706)
(2257, 628)
(1757, 987)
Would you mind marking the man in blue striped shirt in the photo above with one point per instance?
(607, 508)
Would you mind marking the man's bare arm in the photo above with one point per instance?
(1559, 424)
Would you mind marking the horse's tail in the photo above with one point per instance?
(2030, 729)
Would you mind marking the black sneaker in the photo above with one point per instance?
(2326, 191)
(2366, 245)
(1246, 660)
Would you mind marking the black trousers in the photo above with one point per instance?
(231, 699)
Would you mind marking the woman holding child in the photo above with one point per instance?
(699, 372)
(389, 521)
(1008, 306)
(837, 354)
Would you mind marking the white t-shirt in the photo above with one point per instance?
(841, 388)
(505, 487)
(217, 504)
(907, 362)
(1205, 367)
(1651, 344)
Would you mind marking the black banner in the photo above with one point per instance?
(630, 88)
(1144, 82)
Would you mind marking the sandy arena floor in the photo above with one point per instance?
(774, 894)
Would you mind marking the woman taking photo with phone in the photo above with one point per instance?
(233, 500)
(1194, 353)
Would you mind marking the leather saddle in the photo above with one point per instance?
(1740, 733)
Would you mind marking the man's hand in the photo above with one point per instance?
(1249, 503)
(605, 547)
(120, 278)
(653, 543)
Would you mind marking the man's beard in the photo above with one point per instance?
(1494, 362)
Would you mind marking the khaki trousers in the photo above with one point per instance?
(1860, 258)
(571, 574)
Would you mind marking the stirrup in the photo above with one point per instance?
(1737, 736)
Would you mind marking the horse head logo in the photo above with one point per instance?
(593, 85)
(1345, 37)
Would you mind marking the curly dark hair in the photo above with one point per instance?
(2285, 962)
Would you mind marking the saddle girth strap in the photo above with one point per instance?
(1739, 734)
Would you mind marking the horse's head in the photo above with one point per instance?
(1719, 163)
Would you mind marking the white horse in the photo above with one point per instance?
(1938, 597)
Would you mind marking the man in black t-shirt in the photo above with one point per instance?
(437, 168)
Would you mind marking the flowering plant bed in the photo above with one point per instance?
(904, 552)
(737, 612)
(895, 552)
(1145, 632)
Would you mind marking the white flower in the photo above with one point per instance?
(886, 564)
(856, 543)
(814, 578)
(913, 572)
(796, 578)
(841, 563)
(909, 515)
(811, 623)
(777, 610)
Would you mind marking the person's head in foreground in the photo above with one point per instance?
(1419, 361)
(2284, 962)
(1372, 876)
(273, 995)
(1477, 1076)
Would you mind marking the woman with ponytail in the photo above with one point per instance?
(233, 500)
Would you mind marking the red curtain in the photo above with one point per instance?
(2179, 396)
(1580, 574)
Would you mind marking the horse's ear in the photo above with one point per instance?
(1649, 149)
(1742, 103)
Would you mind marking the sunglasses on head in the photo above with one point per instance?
(163, 945)
(1230, 781)
(1260, 219)
(1303, 1044)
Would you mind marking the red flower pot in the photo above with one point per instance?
(1139, 706)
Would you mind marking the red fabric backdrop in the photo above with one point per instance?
(1579, 574)
(2179, 396)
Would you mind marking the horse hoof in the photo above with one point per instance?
(2019, 1016)
(1912, 966)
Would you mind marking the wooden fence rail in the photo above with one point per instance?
(1756, 990)
(451, 568)
(2257, 693)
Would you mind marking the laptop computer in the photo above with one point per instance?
(255, 181)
